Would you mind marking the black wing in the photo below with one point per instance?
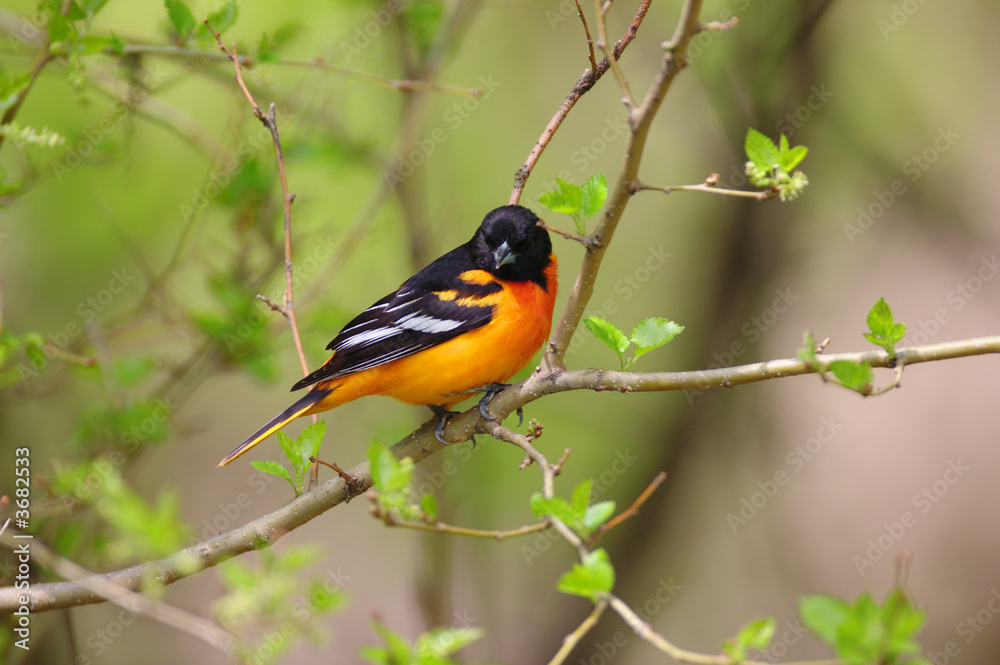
(413, 318)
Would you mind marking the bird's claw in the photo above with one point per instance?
(443, 416)
(492, 390)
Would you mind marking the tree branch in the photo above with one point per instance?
(640, 119)
(422, 443)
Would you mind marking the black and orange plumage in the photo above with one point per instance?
(472, 318)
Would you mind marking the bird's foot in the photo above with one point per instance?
(444, 415)
(492, 390)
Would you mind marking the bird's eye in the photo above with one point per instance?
(527, 245)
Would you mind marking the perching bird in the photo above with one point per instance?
(469, 320)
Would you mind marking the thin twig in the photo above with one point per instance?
(348, 478)
(442, 527)
(583, 240)
(707, 187)
(585, 83)
(896, 382)
(630, 511)
(571, 640)
(609, 55)
(270, 121)
(590, 40)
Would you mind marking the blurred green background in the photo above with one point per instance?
(146, 235)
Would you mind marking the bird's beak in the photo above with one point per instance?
(503, 255)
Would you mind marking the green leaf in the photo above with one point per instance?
(597, 514)
(591, 578)
(10, 85)
(398, 649)
(757, 634)
(289, 447)
(808, 351)
(91, 7)
(793, 157)
(653, 333)
(581, 499)
(823, 615)
(902, 620)
(388, 473)
(761, 150)
(880, 317)
(221, 20)
(857, 376)
(608, 333)
(861, 637)
(130, 370)
(181, 18)
(322, 599)
(429, 506)
(555, 507)
(445, 640)
(593, 194)
(97, 44)
(379, 656)
(310, 440)
(237, 575)
(884, 331)
(272, 468)
(60, 29)
(567, 199)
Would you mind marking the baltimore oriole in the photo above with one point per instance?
(466, 323)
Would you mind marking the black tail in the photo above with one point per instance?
(279, 421)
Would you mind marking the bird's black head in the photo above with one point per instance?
(511, 245)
